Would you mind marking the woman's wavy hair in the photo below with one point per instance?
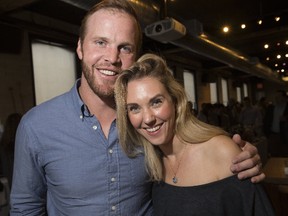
(187, 127)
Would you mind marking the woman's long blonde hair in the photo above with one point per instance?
(187, 128)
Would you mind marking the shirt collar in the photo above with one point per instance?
(81, 109)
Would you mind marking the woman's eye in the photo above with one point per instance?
(133, 109)
(157, 102)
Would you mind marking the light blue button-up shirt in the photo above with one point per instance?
(64, 165)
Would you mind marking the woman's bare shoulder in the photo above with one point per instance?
(224, 145)
(222, 151)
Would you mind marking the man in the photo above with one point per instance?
(68, 159)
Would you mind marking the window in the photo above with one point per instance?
(189, 85)
(54, 67)
(213, 93)
(238, 92)
(224, 86)
(245, 90)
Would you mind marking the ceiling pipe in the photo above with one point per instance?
(202, 45)
(190, 36)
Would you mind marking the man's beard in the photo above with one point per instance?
(104, 92)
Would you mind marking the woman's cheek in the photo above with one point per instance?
(167, 112)
(134, 120)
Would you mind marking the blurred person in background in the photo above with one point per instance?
(7, 145)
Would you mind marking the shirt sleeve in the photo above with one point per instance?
(28, 194)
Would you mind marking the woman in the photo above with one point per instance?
(188, 160)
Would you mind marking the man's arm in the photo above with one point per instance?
(248, 162)
(28, 194)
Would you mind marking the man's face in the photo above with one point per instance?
(108, 48)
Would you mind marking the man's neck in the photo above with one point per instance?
(103, 108)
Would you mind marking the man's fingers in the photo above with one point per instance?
(259, 178)
(245, 161)
(237, 139)
(255, 171)
(247, 155)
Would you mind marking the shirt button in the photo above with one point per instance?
(113, 208)
(94, 127)
(113, 179)
(110, 151)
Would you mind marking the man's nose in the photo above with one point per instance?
(112, 55)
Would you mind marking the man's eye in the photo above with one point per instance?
(126, 49)
(100, 43)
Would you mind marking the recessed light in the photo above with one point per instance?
(277, 18)
(225, 29)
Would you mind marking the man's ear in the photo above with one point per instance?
(79, 49)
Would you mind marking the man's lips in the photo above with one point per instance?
(108, 72)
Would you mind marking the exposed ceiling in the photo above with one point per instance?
(210, 13)
(251, 40)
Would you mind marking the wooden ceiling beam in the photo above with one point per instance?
(8, 5)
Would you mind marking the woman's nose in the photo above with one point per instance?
(149, 117)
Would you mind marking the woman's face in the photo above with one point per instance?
(151, 110)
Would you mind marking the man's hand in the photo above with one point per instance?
(248, 162)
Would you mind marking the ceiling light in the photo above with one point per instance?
(277, 18)
(225, 29)
(266, 46)
(243, 26)
(267, 58)
(278, 56)
(259, 22)
(282, 70)
(286, 42)
(276, 65)
(286, 55)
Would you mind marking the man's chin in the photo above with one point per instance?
(106, 94)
